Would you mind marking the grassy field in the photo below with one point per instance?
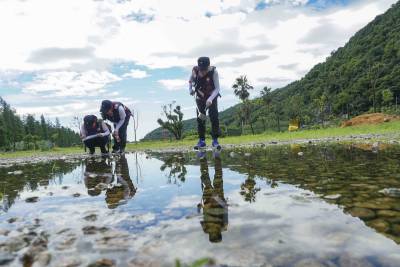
(384, 128)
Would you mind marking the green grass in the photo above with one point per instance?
(384, 128)
(33, 153)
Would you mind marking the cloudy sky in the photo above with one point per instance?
(62, 57)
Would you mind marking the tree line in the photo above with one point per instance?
(26, 133)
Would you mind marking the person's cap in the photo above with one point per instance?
(88, 120)
(203, 63)
(105, 106)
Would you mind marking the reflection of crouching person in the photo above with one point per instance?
(94, 132)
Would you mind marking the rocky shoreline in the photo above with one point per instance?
(368, 139)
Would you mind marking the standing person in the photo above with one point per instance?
(95, 132)
(119, 115)
(204, 83)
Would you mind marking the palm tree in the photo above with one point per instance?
(241, 89)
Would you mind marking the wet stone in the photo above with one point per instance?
(64, 187)
(92, 230)
(32, 199)
(362, 213)
(76, 195)
(5, 258)
(379, 225)
(388, 213)
(103, 263)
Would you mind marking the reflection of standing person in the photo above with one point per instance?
(96, 173)
(124, 189)
(215, 208)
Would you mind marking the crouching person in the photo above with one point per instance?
(95, 133)
(119, 115)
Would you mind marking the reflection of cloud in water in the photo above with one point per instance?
(273, 229)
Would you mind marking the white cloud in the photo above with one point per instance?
(67, 83)
(136, 74)
(174, 84)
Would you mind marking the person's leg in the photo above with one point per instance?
(213, 113)
(123, 135)
(116, 144)
(90, 144)
(201, 124)
(103, 141)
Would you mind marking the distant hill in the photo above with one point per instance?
(362, 76)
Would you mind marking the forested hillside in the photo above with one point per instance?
(18, 133)
(362, 76)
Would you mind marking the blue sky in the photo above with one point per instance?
(141, 52)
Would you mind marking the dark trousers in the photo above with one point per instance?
(120, 146)
(98, 141)
(213, 114)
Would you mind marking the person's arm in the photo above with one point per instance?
(122, 116)
(215, 92)
(105, 129)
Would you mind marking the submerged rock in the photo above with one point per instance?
(362, 213)
(32, 199)
(76, 195)
(103, 263)
(5, 258)
(379, 225)
(90, 218)
(92, 230)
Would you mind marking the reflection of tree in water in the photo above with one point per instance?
(101, 175)
(124, 189)
(214, 205)
(176, 165)
(31, 178)
(248, 189)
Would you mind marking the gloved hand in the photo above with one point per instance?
(208, 103)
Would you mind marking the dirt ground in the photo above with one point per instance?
(374, 118)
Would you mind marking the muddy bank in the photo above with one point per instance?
(368, 139)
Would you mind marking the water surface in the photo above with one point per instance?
(282, 206)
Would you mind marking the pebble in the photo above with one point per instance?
(336, 196)
(16, 172)
(392, 192)
(76, 195)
